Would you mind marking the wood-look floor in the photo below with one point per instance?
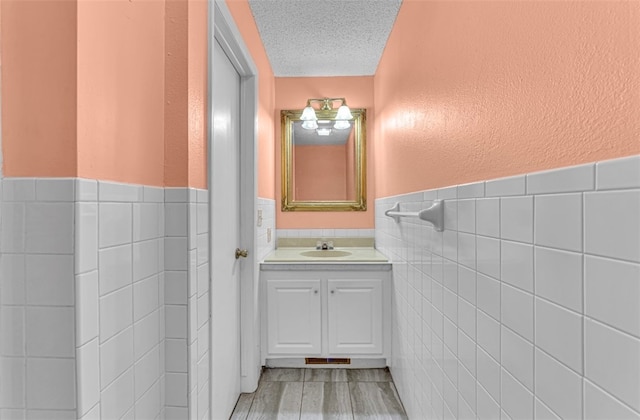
(335, 394)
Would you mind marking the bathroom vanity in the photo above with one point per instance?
(332, 304)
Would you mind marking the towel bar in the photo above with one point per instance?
(433, 215)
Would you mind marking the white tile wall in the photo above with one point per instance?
(319, 233)
(547, 295)
(130, 270)
(37, 315)
(82, 267)
(186, 302)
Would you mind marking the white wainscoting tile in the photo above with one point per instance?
(502, 187)
(116, 356)
(574, 178)
(488, 217)
(146, 334)
(119, 192)
(145, 259)
(618, 173)
(86, 189)
(516, 219)
(467, 216)
(88, 376)
(146, 221)
(118, 397)
(489, 335)
(12, 325)
(612, 225)
(175, 251)
(50, 332)
(12, 279)
(115, 268)
(517, 311)
(86, 311)
(599, 405)
(61, 189)
(86, 237)
(175, 219)
(517, 357)
(473, 190)
(612, 361)
(558, 387)
(147, 371)
(489, 296)
(516, 400)
(489, 374)
(145, 297)
(51, 383)
(115, 224)
(610, 286)
(558, 277)
(116, 312)
(516, 265)
(50, 280)
(558, 221)
(559, 333)
(49, 228)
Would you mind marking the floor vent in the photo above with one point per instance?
(326, 361)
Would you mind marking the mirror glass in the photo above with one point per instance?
(324, 168)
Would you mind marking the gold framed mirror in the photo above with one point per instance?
(324, 170)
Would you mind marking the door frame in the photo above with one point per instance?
(222, 28)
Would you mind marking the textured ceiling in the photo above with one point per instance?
(305, 38)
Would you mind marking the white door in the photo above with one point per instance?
(294, 317)
(355, 316)
(225, 236)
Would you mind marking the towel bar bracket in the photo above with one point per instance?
(433, 214)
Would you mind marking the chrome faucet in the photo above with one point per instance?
(324, 245)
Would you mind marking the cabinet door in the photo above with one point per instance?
(293, 317)
(355, 316)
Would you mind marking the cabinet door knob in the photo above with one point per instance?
(333, 291)
(315, 292)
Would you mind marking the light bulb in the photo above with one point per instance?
(308, 114)
(309, 125)
(344, 113)
(341, 125)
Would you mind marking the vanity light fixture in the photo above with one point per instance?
(310, 120)
(323, 131)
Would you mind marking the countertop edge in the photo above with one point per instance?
(325, 266)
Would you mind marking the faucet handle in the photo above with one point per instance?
(330, 245)
(318, 244)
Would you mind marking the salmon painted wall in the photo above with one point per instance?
(198, 66)
(85, 87)
(121, 91)
(468, 91)
(185, 106)
(266, 96)
(292, 93)
(39, 88)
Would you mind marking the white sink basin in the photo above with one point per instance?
(318, 256)
(326, 253)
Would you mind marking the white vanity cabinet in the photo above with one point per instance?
(316, 312)
(294, 316)
(354, 316)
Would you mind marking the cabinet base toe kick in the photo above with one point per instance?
(326, 362)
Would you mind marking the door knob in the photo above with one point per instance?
(241, 253)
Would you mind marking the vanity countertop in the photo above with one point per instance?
(292, 258)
